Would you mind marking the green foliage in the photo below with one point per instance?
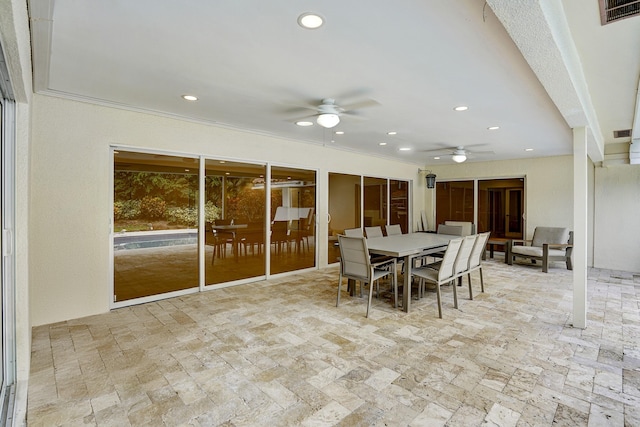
(183, 216)
(128, 209)
(189, 216)
(152, 207)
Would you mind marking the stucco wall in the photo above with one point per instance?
(617, 209)
(70, 187)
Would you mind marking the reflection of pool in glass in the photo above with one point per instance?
(154, 240)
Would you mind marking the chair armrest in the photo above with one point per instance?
(558, 245)
(521, 241)
(382, 261)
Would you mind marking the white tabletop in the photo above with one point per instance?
(403, 245)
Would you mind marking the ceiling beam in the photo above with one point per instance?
(540, 30)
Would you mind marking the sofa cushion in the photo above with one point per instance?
(557, 235)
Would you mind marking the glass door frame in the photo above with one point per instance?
(388, 201)
(476, 186)
(7, 244)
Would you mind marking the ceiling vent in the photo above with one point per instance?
(615, 10)
(622, 133)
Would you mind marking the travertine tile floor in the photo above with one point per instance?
(280, 353)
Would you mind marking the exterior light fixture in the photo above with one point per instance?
(328, 120)
(430, 178)
(189, 98)
(304, 123)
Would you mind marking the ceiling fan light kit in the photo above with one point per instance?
(459, 158)
(328, 120)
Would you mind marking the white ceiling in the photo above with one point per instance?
(252, 66)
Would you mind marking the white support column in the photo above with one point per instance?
(580, 189)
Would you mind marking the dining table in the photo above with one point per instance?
(231, 230)
(408, 246)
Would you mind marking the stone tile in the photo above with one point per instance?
(280, 353)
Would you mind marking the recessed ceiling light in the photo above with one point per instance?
(436, 158)
(493, 127)
(339, 132)
(310, 21)
(528, 149)
(333, 140)
(461, 108)
(304, 123)
(190, 97)
(227, 173)
(186, 170)
(382, 143)
(404, 149)
(392, 133)
(222, 161)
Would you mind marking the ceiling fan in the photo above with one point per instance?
(328, 113)
(458, 154)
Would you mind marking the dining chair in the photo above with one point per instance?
(371, 232)
(475, 259)
(393, 229)
(353, 232)
(443, 274)
(461, 265)
(355, 264)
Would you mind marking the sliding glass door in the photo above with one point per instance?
(293, 213)
(235, 203)
(499, 206)
(382, 202)
(344, 209)
(155, 211)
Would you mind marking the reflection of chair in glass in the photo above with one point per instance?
(548, 244)
(393, 229)
(280, 236)
(372, 232)
(211, 238)
(307, 229)
(355, 264)
(442, 273)
(252, 236)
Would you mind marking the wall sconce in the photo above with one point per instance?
(430, 178)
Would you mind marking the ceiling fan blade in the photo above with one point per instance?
(481, 152)
(447, 150)
(359, 105)
(308, 117)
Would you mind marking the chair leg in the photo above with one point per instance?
(395, 290)
(439, 300)
(481, 280)
(339, 286)
(370, 296)
(470, 290)
(545, 258)
(569, 264)
(455, 296)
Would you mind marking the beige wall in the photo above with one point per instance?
(70, 188)
(617, 218)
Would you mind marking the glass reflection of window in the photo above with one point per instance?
(399, 196)
(454, 201)
(375, 202)
(344, 209)
(234, 221)
(293, 203)
(155, 224)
